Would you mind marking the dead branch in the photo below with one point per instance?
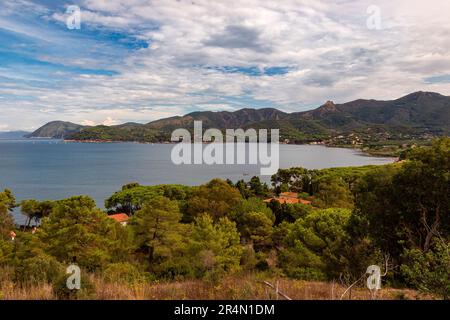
(277, 290)
(351, 286)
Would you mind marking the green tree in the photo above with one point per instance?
(36, 210)
(216, 198)
(294, 179)
(313, 245)
(7, 204)
(423, 189)
(333, 193)
(7, 200)
(243, 188)
(130, 199)
(407, 206)
(132, 196)
(288, 212)
(249, 205)
(215, 247)
(258, 188)
(256, 228)
(76, 231)
(157, 229)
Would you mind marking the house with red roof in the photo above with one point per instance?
(122, 218)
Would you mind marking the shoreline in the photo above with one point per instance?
(355, 148)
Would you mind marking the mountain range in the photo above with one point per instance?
(56, 130)
(414, 114)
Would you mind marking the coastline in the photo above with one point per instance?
(357, 148)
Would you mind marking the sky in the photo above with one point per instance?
(141, 60)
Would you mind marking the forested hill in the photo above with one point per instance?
(416, 114)
(56, 130)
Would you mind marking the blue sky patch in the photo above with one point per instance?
(253, 70)
(438, 79)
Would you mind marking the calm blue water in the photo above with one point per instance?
(52, 169)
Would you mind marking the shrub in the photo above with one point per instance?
(123, 273)
(430, 271)
(62, 292)
(38, 269)
(5, 251)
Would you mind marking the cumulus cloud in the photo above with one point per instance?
(213, 55)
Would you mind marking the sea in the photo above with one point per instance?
(48, 169)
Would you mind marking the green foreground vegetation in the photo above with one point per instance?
(394, 215)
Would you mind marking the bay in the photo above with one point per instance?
(55, 169)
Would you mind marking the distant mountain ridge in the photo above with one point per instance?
(13, 134)
(220, 119)
(56, 130)
(416, 113)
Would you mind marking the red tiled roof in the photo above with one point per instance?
(289, 195)
(288, 200)
(119, 217)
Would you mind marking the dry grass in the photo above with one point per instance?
(244, 287)
(9, 291)
(249, 288)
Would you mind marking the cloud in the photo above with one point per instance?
(86, 122)
(139, 60)
(238, 37)
(109, 121)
